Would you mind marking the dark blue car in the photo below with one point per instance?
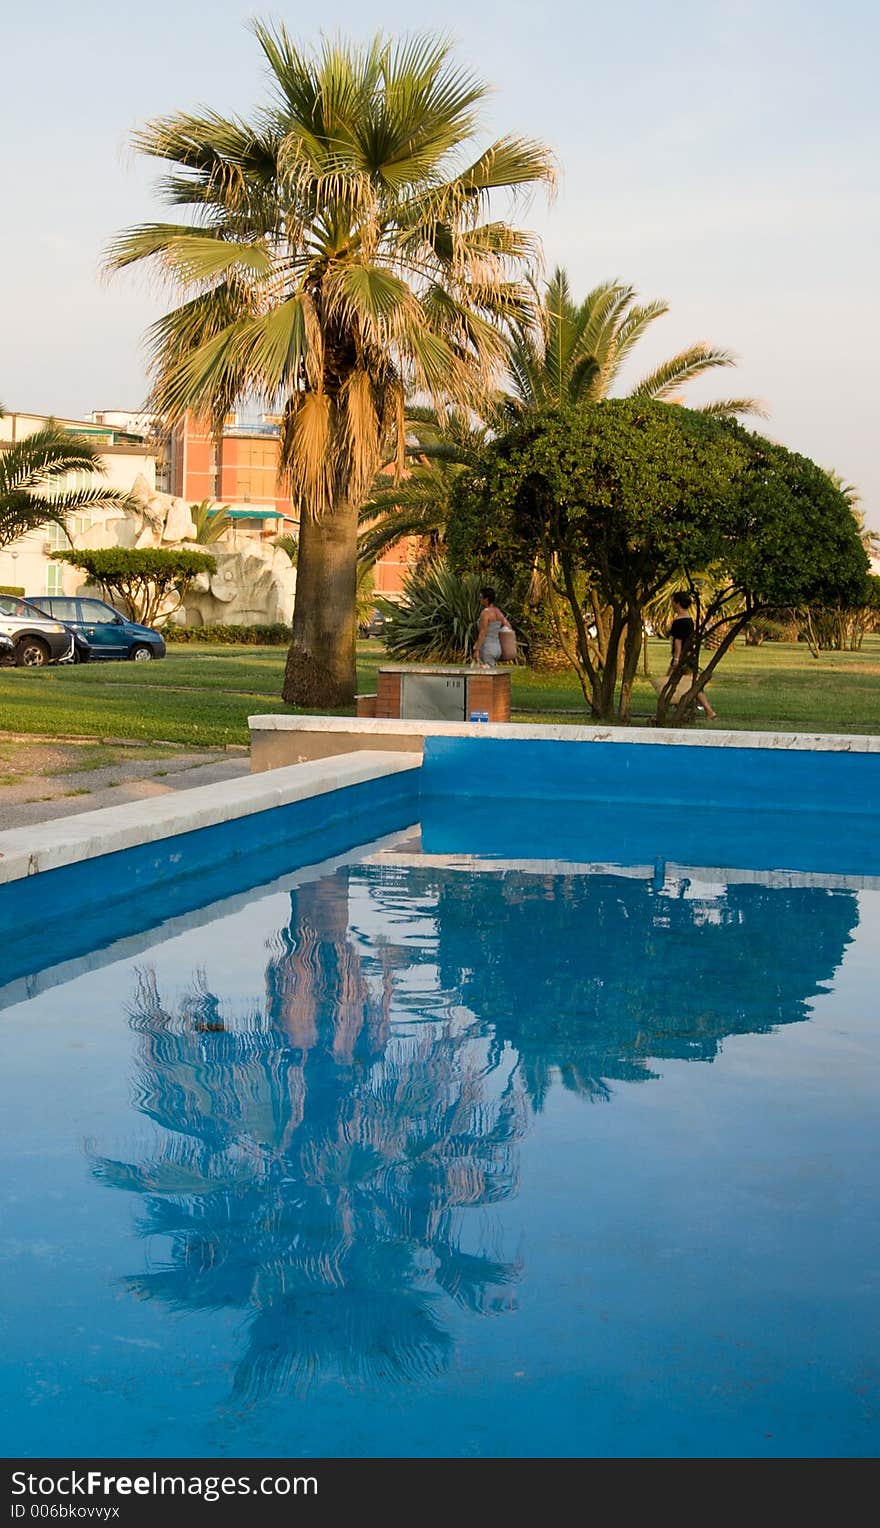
(100, 631)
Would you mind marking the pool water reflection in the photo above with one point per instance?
(413, 1160)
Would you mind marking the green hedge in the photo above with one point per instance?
(277, 635)
(11, 589)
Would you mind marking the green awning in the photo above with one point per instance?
(251, 514)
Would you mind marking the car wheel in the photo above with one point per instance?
(141, 654)
(32, 653)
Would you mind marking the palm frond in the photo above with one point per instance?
(733, 408)
(679, 369)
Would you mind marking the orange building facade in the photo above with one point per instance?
(239, 468)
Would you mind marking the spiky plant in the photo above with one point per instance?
(436, 619)
(339, 251)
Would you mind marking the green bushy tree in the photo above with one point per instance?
(612, 500)
(143, 579)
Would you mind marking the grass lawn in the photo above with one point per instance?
(203, 696)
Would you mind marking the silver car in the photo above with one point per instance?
(36, 638)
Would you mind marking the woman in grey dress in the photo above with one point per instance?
(487, 648)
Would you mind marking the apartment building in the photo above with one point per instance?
(124, 453)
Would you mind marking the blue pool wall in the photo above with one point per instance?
(749, 809)
(61, 913)
(755, 809)
(809, 780)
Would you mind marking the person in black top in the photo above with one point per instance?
(682, 636)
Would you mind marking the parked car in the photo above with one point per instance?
(100, 631)
(7, 649)
(36, 638)
(375, 626)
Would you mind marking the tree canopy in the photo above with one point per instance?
(144, 578)
(610, 501)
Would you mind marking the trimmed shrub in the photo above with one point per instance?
(142, 578)
(276, 635)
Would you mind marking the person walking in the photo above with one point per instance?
(684, 652)
(487, 647)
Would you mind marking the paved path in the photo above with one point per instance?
(42, 779)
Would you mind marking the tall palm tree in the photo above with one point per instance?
(575, 352)
(561, 353)
(32, 482)
(339, 252)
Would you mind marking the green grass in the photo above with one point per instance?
(203, 696)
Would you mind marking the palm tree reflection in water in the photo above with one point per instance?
(317, 1172)
(317, 1163)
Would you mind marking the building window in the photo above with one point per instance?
(56, 538)
(54, 578)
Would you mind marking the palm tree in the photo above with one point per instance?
(575, 352)
(339, 253)
(32, 482)
(561, 354)
(439, 449)
(211, 521)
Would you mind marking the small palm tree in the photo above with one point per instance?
(575, 352)
(32, 482)
(339, 253)
(439, 449)
(211, 521)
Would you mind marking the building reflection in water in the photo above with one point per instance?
(319, 1163)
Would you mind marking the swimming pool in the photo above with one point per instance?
(542, 1131)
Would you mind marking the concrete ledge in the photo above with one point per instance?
(50, 845)
(283, 740)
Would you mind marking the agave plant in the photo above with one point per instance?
(437, 616)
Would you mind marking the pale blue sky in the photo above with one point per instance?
(723, 156)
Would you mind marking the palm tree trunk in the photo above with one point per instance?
(321, 670)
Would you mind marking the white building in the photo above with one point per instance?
(125, 455)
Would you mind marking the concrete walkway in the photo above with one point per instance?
(45, 779)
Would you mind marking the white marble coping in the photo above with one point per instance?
(667, 874)
(371, 726)
(66, 841)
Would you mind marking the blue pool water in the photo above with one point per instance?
(427, 1154)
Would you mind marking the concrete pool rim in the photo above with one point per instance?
(376, 753)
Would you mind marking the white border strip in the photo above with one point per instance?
(370, 726)
(68, 840)
(664, 871)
